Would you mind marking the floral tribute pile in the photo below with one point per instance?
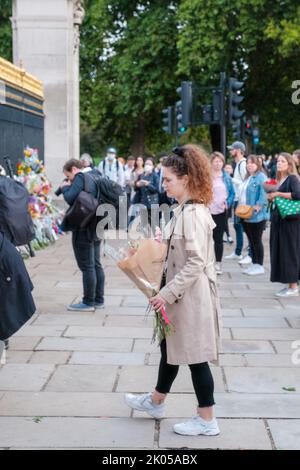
(46, 217)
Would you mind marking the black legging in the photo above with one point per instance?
(202, 378)
(218, 232)
(254, 231)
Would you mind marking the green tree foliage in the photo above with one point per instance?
(128, 73)
(5, 30)
(255, 40)
(135, 53)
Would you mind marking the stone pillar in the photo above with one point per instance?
(46, 42)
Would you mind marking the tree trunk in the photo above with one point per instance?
(138, 144)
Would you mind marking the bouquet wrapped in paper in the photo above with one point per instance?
(143, 263)
(270, 186)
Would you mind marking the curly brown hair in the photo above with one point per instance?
(193, 161)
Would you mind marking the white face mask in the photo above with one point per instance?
(148, 168)
(111, 156)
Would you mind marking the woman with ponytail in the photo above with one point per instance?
(188, 291)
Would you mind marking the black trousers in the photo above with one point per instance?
(218, 232)
(202, 378)
(87, 254)
(228, 216)
(254, 232)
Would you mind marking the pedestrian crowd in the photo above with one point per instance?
(203, 193)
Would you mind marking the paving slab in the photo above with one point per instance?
(64, 320)
(255, 322)
(108, 332)
(40, 331)
(284, 347)
(107, 358)
(231, 312)
(286, 433)
(266, 333)
(235, 434)
(25, 376)
(256, 405)
(251, 303)
(139, 379)
(86, 404)
(263, 379)
(21, 343)
(133, 301)
(109, 300)
(17, 357)
(270, 312)
(85, 344)
(56, 433)
(266, 293)
(269, 360)
(129, 321)
(82, 378)
(145, 346)
(135, 311)
(294, 322)
(243, 347)
(50, 357)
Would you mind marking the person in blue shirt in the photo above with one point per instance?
(252, 193)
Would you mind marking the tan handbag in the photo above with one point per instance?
(244, 211)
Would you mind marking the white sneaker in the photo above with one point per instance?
(218, 267)
(281, 292)
(197, 426)
(246, 260)
(233, 256)
(248, 270)
(254, 270)
(144, 403)
(287, 292)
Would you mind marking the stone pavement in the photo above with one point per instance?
(66, 373)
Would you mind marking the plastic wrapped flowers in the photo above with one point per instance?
(46, 217)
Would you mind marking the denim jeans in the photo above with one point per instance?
(238, 227)
(87, 254)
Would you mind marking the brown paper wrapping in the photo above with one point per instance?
(145, 267)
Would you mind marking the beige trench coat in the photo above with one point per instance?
(191, 290)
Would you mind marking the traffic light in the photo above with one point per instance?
(207, 111)
(179, 124)
(248, 128)
(234, 100)
(255, 136)
(236, 130)
(218, 105)
(168, 119)
(184, 106)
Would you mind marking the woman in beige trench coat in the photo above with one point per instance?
(188, 292)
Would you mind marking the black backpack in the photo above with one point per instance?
(110, 192)
(83, 211)
(15, 220)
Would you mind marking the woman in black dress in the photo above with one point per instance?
(285, 233)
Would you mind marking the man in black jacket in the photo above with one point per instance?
(86, 244)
